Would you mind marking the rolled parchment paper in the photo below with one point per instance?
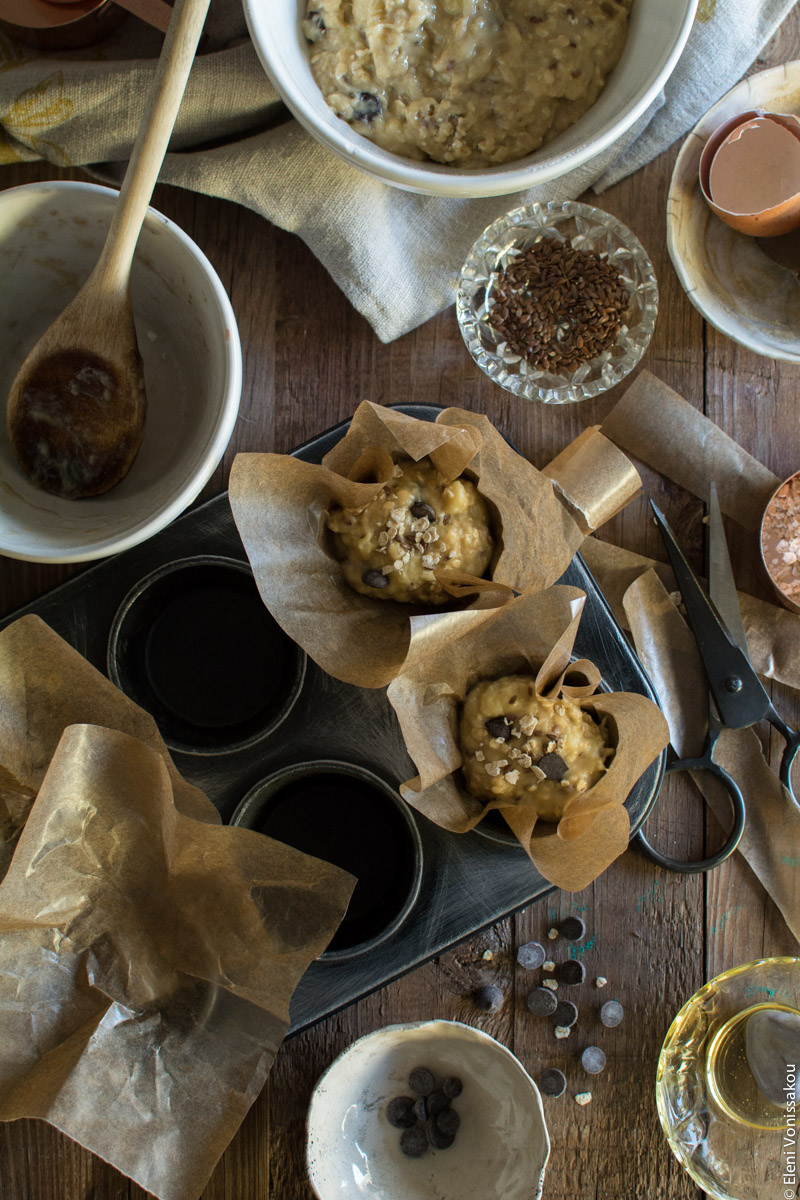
(655, 424)
(280, 503)
(594, 478)
(533, 634)
(148, 953)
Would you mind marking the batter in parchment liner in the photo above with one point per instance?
(418, 523)
(520, 747)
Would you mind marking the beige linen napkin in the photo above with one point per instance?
(395, 255)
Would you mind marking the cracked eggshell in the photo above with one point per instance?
(750, 173)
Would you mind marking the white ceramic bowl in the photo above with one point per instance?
(658, 32)
(742, 292)
(50, 238)
(501, 1148)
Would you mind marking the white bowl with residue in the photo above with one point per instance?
(501, 1147)
(51, 235)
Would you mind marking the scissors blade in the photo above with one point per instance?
(736, 689)
(721, 585)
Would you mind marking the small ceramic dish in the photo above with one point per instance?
(501, 1148)
(727, 275)
(586, 229)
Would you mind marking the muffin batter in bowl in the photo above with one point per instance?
(417, 524)
(468, 82)
(518, 747)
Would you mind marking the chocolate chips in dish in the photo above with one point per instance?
(518, 746)
(419, 523)
(429, 1119)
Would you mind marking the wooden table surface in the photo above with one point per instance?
(309, 359)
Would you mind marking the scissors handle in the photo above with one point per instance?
(706, 763)
(792, 739)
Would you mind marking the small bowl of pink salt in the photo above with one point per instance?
(780, 542)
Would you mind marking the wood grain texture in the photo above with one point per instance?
(309, 359)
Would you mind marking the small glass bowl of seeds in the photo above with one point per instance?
(557, 302)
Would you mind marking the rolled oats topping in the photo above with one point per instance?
(518, 746)
(418, 523)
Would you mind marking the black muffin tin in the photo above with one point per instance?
(127, 614)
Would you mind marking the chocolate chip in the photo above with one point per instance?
(448, 1121)
(375, 579)
(499, 727)
(552, 1082)
(313, 26)
(531, 955)
(542, 1002)
(611, 1013)
(421, 1081)
(413, 1142)
(437, 1102)
(593, 1060)
(572, 971)
(565, 1014)
(420, 1109)
(423, 510)
(367, 107)
(399, 1112)
(438, 1139)
(573, 928)
(553, 766)
(452, 1087)
(489, 998)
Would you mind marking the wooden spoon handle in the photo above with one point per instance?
(152, 140)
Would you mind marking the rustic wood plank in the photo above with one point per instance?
(308, 360)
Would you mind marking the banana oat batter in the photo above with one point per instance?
(517, 746)
(417, 524)
(468, 82)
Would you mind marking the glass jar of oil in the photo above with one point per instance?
(728, 1082)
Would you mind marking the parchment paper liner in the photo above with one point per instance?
(533, 633)
(147, 953)
(279, 503)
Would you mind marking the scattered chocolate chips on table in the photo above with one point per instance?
(565, 1013)
(593, 1060)
(573, 929)
(558, 307)
(611, 1013)
(572, 971)
(552, 1082)
(543, 1002)
(488, 998)
(531, 955)
(428, 1120)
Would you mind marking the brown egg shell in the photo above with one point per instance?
(770, 222)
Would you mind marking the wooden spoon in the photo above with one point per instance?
(76, 409)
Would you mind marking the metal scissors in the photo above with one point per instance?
(737, 698)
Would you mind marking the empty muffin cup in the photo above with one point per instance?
(193, 644)
(346, 815)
